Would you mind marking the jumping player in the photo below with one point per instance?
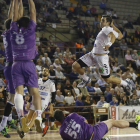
(47, 93)
(75, 127)
(7, 118)
(24, 51)
(99, 54)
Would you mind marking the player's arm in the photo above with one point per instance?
(15, 11)
(20, 9)
(120, 36)
(10, 12)
(112, 40)
(32, 10)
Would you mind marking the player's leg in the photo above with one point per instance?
(84, 61)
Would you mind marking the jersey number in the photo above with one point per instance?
(19, 39)
(76, 129)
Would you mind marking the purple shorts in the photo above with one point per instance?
(24, 73)
(8, 76)
(100, 130)
(47, 109)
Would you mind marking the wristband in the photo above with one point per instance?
(109, 43)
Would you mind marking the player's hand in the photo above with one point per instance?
(106, 47)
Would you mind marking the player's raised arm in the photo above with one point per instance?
(120, 36)
(15, 11)
(32, 10)
(10, 12)
(20, 9)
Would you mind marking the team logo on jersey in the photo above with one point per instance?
(101, 70)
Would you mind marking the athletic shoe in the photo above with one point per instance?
(45, 129)
(53, 127)
(4, 132)
(137, 121)
(66, 112)
(20, 133)
(38, 125)
(25, 127)
(83, 83)
(11, 124)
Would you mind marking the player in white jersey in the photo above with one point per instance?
(47, 93)
(99, 54)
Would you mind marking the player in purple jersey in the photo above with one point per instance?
(24, 51)
(7, 118)
(75, 127)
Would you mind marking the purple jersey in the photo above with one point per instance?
(23, 41)
(7, 46)
(73, 127)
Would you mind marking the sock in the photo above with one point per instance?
(85, 77)
(3, 122)
(124, 83)
(19, 104)
(132, 124)
(10, 117)
(52, 121)
(7, 111)
(39, 113)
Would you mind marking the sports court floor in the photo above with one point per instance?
(114, 134)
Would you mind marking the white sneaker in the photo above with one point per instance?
(83, 83)
(66, 112)
(38, 122)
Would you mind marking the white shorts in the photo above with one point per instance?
(100, 62)
(44, 104)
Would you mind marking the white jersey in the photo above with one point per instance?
(46, 88)
(102, 39)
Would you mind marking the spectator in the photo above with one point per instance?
(103, 5)
(124, 34)
(51, 42)
(109, 95)
(133, 75)
(2, 51)
(87, 101)
(93, 11)
(138, 91)
(57, 64)
(134, 101)
(39, 66)
(46, 58)
(67, 51)
(68, 88)
(69, 99)
(138, 62)
(79, 102)
(88, 12)
(124, 101)
(101, 102)
(59, 74)
(107, 90)
(91, 40)
(76, 89)
(137, 33)
(50, 54)
(102, 84)
(78, 10)
(97, 89)
(1, 64)
(108, 12)
(61, 59)
(60, 100)
(114, 15)
(71, 8)
(56, 53)
(37, 40)
(52, 75)
(84, 51)
(114, 101)
(68, 60)
(47, 64)
(74, 75)
(26, 105)
(96, 22)
(135, 55)
(123, 45)
(119, 88)
(50, 9)
(115, 67)
(90, 74)
(92, 92)
(138, 20)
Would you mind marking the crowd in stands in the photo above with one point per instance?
(59, 61)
